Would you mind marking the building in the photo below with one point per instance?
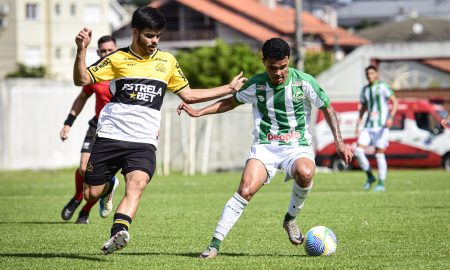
(194, 23)
(42, 32)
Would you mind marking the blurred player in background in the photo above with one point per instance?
(282, 99)
(374, 99)
(106, 45)
(127, 132)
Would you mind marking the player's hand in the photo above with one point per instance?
(64, 133)
(389, 122)
(445, 123)
(237, 82)
(188, 109)
(357, 132)
(344, 152)
(83, 38)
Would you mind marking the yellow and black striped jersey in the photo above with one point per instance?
(138, 86)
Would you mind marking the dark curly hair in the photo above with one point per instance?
(148, 17)
(275, 48)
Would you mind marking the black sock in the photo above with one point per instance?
(121, 223)
(215, 243)
(288, 217)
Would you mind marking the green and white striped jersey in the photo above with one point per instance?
(375, 97)
(282, 113)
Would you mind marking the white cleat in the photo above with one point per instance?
(117, 242)
(106, 202)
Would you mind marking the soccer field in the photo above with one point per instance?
(407, 227)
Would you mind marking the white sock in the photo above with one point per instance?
(363, 161)
(231, 212)
(298, 197)
(382, 166)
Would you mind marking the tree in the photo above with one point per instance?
(207, 67)
(27, 72)
(316, 62)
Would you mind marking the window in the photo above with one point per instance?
(32, 57)
(73, 9)
(31, 12)
(58, 53)
(427, 122)
(57, 9)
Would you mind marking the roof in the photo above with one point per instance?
(261, 23)
(442, 64)
(427, 30)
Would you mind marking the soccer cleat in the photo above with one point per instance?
(379, 188)
(105, 203)
(294, 234)
(69, 209)
(209, 253)
(83, 218)
(117, 242)
(369, 183)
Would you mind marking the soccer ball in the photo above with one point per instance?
(320, 240)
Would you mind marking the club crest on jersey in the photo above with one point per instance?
(260, 87)
(160, 67)
(298, 95)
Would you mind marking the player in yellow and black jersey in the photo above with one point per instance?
(128, 126)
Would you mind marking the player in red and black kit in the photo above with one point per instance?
(106, 45)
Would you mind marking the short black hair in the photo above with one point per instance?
(148, 17)
(275, 48)
(371, 67)
(105, 39)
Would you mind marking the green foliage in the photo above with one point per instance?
(406, 227)
(27, 72)
(315, 62)
(207, 67)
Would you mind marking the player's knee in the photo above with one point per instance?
(136, 185)
(303, 176)
(246, 192)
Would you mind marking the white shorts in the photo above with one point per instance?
(377, 137)
(276, 157)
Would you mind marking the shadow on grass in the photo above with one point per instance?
(36, 222)
(196, 254)
(51, 256)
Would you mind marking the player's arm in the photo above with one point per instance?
(221, 106)
(362, 108)
(392, 113)
(341, 149)
(80, 74)
(190, 96)
(77, 107)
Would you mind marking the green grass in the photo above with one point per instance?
(407, 227)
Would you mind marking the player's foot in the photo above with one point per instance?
(369, 183)
(117, 242)
(209, 253)
(379, 188)
(294, 234)
(106, 202)
(83, 218)
(69, 209)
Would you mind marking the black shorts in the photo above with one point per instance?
(109, 156)
(88, 142)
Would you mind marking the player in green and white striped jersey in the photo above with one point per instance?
(282, 99)
(374, 99)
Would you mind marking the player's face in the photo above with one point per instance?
(146, 40)
(277, 70)
(106, 48)
(372, 75)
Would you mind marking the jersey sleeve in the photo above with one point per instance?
(315, 94)
(246, 94)
(103, 69)
(362, 97)
(387, 91)
(177, 81)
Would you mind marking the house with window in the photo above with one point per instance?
(42, 32)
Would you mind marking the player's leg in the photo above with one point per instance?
(138, 167)
(301, 168)
(253, 178)
(363, 141)
(381, 143)
(75, 201)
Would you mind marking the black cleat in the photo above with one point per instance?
(69, 209)
(83, 218)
